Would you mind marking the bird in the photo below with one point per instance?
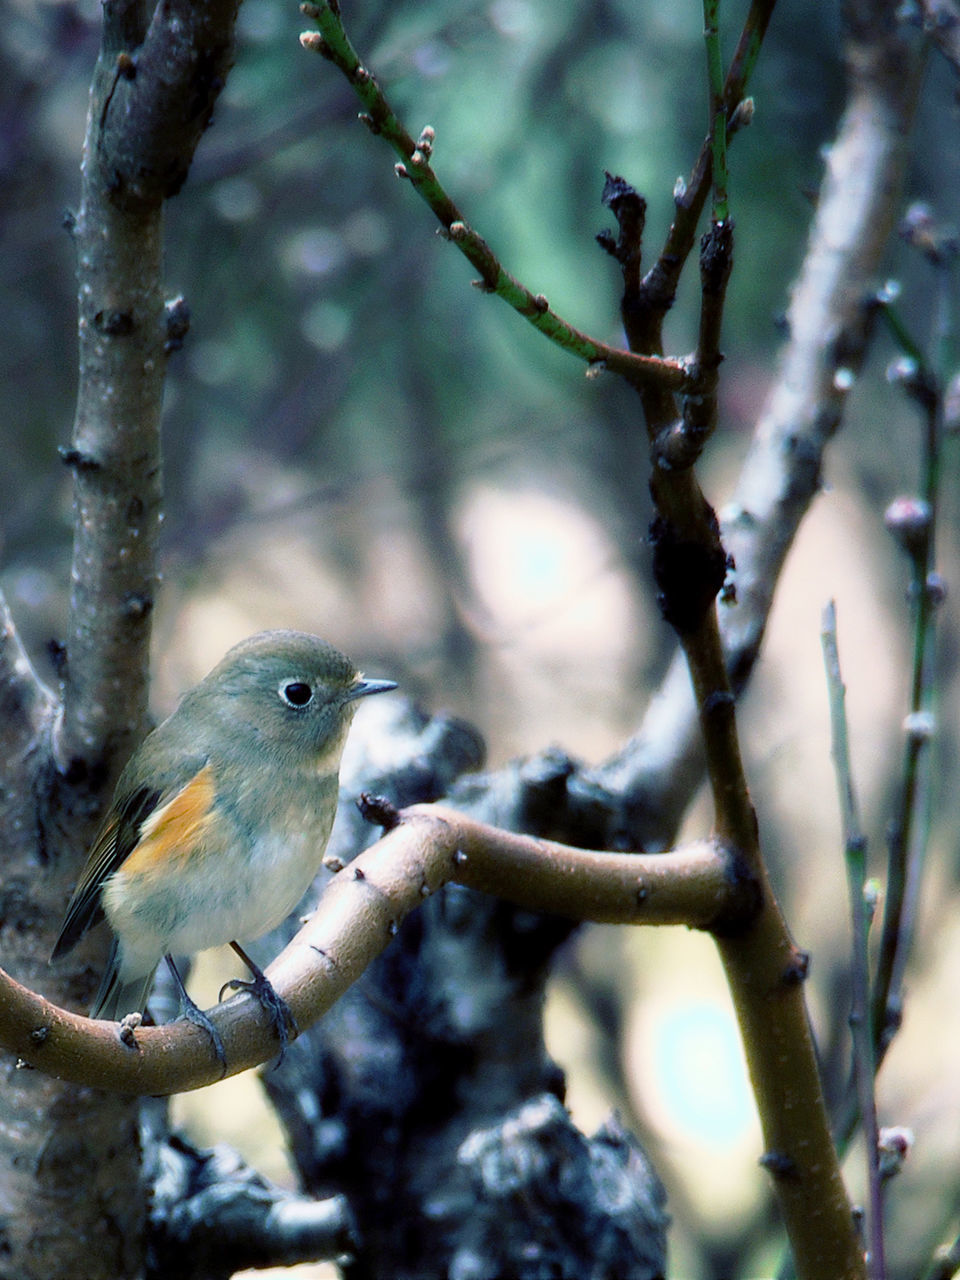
(220, 820)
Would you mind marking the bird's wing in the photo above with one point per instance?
(181, 821)
(149, 822)
(117, 837)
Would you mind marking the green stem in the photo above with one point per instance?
(910, 827)
(855, 847)
(333, 43)
(718, 111)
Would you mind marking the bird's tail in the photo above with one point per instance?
(117, 998)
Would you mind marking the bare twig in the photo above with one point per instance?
(718, 109)
(855, 847)
(765, 973)
(332, 42)
(830, 321)
(683, 442)
(660, 283)
(763, 969)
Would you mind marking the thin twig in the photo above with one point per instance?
(855, 851)
(909, 830)
(718, 111)
(332, 42)
(660, 283)
(685, 441)
(763, 968)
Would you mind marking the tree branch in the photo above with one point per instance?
(358, 914)
(718, 110)
(332, 42)
(763, 968)
(212, 1215)
(161, 90)
(914, 522)
(53, 789)
(830, 321)
(152, 95)
(115, 452)
(855, 857)
(660, 282)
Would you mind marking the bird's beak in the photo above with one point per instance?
(363, 688)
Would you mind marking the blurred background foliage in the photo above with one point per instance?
(359, 444)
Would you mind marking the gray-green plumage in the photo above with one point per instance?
(221, 818)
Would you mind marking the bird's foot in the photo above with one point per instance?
(193, 1013)
(284, 1023)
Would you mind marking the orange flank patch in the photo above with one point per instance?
(177, 830)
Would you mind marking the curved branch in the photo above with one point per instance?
(357, 916)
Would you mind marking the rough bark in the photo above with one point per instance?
(70, 1183)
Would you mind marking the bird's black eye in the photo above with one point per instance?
(296, 693)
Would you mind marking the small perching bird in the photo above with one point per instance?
(220, 819)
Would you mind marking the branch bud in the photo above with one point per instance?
(894, 1144)
(908, 519)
